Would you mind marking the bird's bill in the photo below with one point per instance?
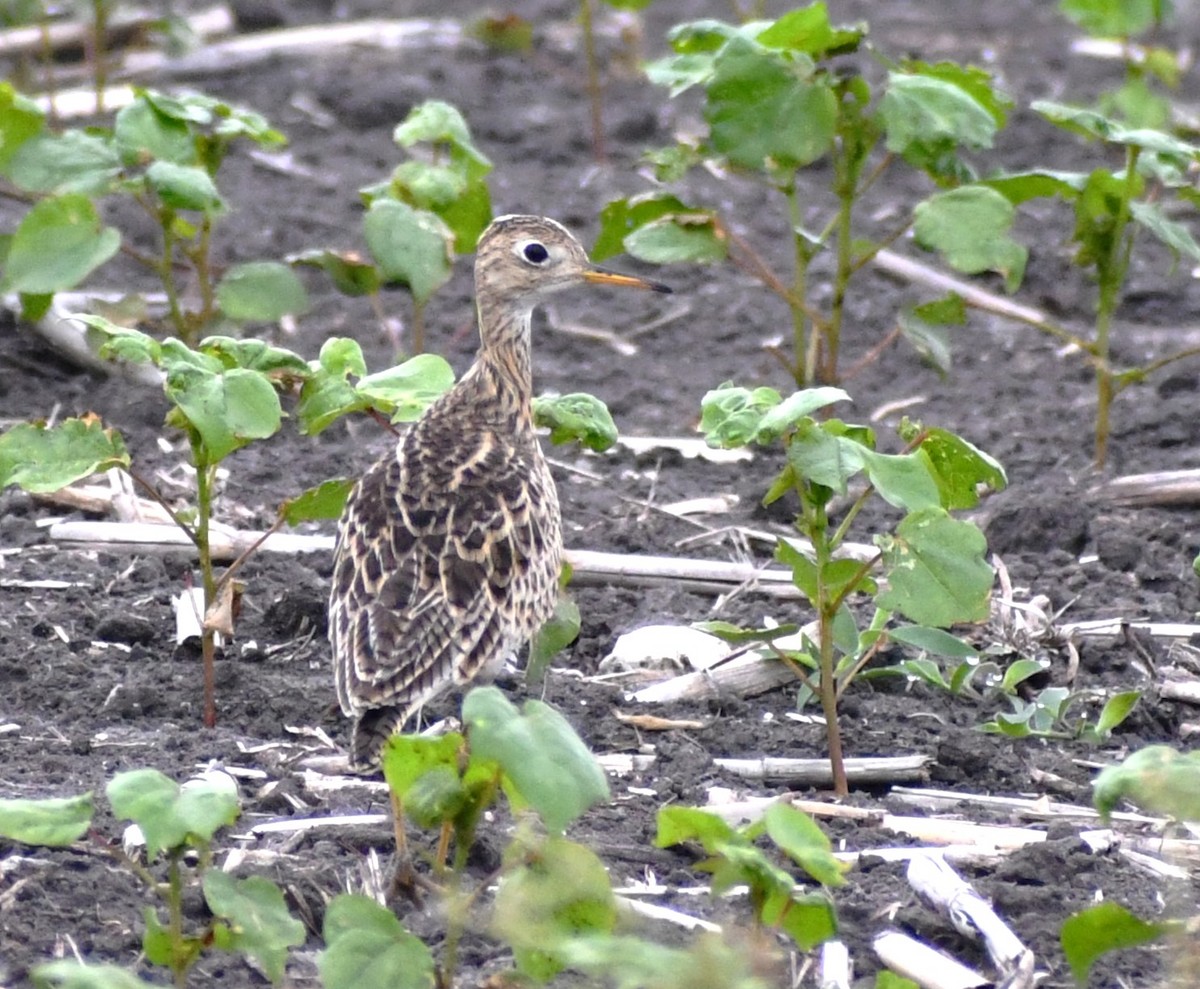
(601, 276)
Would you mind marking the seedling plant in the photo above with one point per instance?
(777, 100)
(929, 568)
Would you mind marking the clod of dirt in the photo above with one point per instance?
(129, 629)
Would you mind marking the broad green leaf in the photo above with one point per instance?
(160, 948)
(678, 824)
(933, 640)
(1173, 234)
(730, 415)
(327, 393)
(169, 815)
(144, 134)
(408, 389)
(325, 501)
(936, 570)
(578, 417)
(808, 30)
(70, 974)
(226, 409)
(688, 238)
(621, 217)
(736, 635)
(958, 468)
(58, 243)
(437, 797)
(547, 763)
(926, 110)
(819, 455)
(1017, 672)
(406, 758)
(411, 246)
(462, 201)
(437, 122)
(1157, 779)
(40, 459)
(1108, 926)
(779, 418)
(20, 120)
(255, 355)
(1091, 124)
(559, 631)
(60, 163)
(259, 922)
(762, 115)
(902, 479)
(630, 962)
(1116, 709)
(1019, 187)
(368, 948)
(55, 821)
(562, 891)
(925, 670)
(184, 187)
(798, 835)
(971, 79)
(929, 337)
(808, 919)
(1113, 18)
(120, 343)
(351, 275)
(263, 291)
(969, 226)
(804, 567)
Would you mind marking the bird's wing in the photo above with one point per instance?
(431, 551)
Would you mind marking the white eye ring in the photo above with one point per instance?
(534, 252)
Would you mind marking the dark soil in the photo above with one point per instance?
(91, 683)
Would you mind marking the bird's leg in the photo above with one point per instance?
(443, 848)
(404, 876)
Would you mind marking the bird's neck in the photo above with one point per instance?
(504, 352)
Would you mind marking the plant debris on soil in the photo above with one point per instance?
(91, 682)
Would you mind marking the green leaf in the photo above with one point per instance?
(1116, 709)
(925, 111)
(120, 343)
(679, 238)
(227, 409)
(368, 948)
(1113, 18)
(172, 816)
(809, 919)
(890, 980)
(630, 962)
(547, 763)
(762, 114)
(922, 327)
(1158, 779)
(1018, 672)
(578, 418)
(1094, 125)
(1173, 234)
(1108, 926)
(679, 824)
(184, 187)
(562, 891)
(932, 640)
(327, 394)
(798, 835)
(411, 246)
(808, 30)
(55, 821)
(936, 571)
(255, 355)
(70, 974)
(326, 501)
(407, 390)
(438, 122)
(819, 454)
(406, 758)
(559, 631)
(259, 921)
(959, 468)
(58, 243)
(351, 275)
(144, 134)
(263, 291)
(621, 217)
(38, 459)
(60, 163)
(1020, 187)
(797, 406)
(969, 226)
(730, 415)
(902, 479)
(20, 120)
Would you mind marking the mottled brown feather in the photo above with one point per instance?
(449, 549)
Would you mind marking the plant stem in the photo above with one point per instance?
(166, 271)
(418, 327)
(98, 54)
(802, 346)
(179, 959)
(1110, 271)
(827, 371)
(595, 91)
(205, 475)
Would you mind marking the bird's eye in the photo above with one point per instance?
(535, 252)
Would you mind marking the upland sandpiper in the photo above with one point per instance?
(449, 549)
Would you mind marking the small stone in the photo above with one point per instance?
(129, 629)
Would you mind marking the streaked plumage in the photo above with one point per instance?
(449, 549)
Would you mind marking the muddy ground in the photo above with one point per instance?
(91, 682)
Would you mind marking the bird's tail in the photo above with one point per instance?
(372, 729)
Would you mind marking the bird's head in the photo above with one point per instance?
(522, 259)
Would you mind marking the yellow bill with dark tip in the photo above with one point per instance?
(602, 276)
